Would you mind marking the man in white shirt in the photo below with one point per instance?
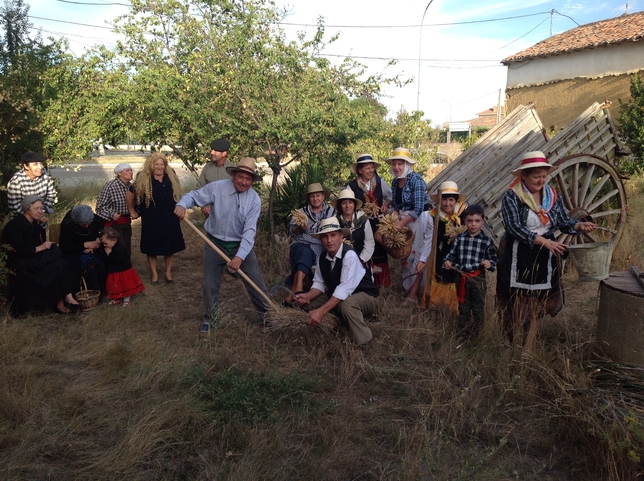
(341, 283)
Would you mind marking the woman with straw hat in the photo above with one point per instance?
(369, 187)
(411, 205)
(305, 249)
(529, 269)
(450, 207)
(360, 235)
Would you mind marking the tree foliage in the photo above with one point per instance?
(24, 91)
(631, 122)
(189, 71)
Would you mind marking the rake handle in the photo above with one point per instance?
(227, 259)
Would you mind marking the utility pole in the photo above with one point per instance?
(498, 109)
(420, 46)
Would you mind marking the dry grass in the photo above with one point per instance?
(140, 394)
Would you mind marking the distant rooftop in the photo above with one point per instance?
(622, 29)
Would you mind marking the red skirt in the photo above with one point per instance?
(123, 284)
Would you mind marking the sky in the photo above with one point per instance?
(453, 60)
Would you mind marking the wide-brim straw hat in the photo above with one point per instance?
(533, 160)
(313, 188)
(330, 224)
(345, 194)
(361, 160)
(246, 165)
(401, 153)
(448, 188)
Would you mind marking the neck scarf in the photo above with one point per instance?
(549, 197)
(453, 219)
(369, 188)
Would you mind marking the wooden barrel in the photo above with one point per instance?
(620, 318)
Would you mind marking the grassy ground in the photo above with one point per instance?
(140, 394)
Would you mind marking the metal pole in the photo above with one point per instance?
(420, 46)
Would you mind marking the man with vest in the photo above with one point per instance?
(340, 283)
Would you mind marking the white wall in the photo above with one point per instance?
(596, 62)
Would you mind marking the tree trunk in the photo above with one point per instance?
(276, 168)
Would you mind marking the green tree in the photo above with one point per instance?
(219, 68)
(24, 93)
(631, 122)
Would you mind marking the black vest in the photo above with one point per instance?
(353, 185)
(332, 277)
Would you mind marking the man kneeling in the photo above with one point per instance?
(340, 282)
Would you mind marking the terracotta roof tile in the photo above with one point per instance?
(625, 28)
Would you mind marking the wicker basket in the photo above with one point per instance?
(88, 299)
(398, 252)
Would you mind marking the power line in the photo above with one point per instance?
(525, 34)
(72, 23)
(409, 59)
(87, 3)
(416, 26)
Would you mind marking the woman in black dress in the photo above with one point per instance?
(157, 191)
(41, 277)
(79, 233)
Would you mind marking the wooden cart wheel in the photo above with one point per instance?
(592, 191)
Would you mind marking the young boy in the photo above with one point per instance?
(472, 253)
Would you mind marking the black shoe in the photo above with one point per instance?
(73, 308)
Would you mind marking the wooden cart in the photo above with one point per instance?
(586, 154)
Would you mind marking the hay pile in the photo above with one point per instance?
(392, 237)
(283, 318)
(299, 218)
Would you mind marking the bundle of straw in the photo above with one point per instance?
(453, 232)
(371, 210)
(392, 237)
(282, 318)
(299, 218)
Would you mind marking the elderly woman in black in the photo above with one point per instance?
(79, 233)
(529, 269)
(42, 279)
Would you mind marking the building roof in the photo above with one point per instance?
(622, 29)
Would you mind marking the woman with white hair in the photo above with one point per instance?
(79, 233)
(112, 205)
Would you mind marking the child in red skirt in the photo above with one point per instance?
(122, 280)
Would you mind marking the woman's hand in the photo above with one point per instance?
(420, 267)
(403, 222)
(116, 216)
(89, 245)
(88, 251)
(553, 246)
(44, 246)
(134, 214)
(585, 226)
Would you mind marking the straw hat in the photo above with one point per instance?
(401, 153)
(533, 160)
(330, 224)
(448, 188)
(246, 165)
(313, 188)
(361, 160)
(346, 194)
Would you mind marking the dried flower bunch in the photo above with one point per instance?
(392, 237)
(453, 232)
(371, 210)
(299, 218)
